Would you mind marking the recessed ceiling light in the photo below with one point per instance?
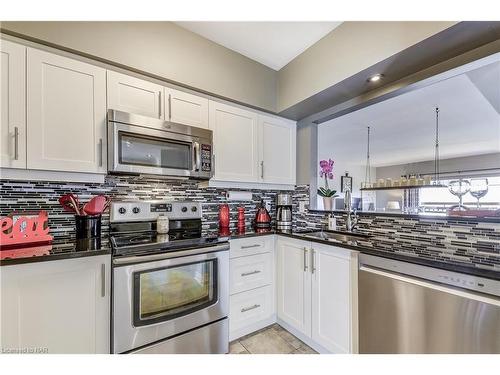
(375, 78)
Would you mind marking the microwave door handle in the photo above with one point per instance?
(197, 156)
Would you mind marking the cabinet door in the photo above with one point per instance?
(294, 284)
(134, 95)
(66, 114)
(235, 143)
(185, 108)
(331, 298)
(13, 105)
(61, 305)
(278, 150)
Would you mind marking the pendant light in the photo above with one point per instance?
(368, 177)
(436, 151)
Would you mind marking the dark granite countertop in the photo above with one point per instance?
(373, 246)
(57, 250)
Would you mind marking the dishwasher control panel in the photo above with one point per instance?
(426, 273)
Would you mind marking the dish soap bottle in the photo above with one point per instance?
(332, 222)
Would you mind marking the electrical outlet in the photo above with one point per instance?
(302, 207)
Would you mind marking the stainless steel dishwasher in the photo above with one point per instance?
(409, 308)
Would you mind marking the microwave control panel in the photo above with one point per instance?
(206, 158)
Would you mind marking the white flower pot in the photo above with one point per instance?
(327, 203)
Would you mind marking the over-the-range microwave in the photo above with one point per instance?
(140, 145)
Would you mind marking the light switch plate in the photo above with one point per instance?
(302, 207)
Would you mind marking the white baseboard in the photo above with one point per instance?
(307, 340)
(233, 335)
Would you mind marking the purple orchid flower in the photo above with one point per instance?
(326, 171)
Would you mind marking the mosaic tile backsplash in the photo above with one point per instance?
(468, 243)
(28, 196)
(452, 241)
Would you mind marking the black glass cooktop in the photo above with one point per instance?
(152, 242)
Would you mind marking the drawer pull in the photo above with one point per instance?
(245, 309)
(250, 273)
(250, 246)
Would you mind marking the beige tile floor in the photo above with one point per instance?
(270, 340)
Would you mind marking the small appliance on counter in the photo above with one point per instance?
(284, 212)
(262, 217)
(170, 291)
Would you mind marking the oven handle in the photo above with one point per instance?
(169, 255)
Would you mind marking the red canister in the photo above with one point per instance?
(241, 218)
(224, 216)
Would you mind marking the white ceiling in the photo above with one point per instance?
(402, 128)
(273, 44)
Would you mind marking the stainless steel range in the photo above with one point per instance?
(170, 291)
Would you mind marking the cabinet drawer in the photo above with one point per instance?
(250, 307)
(250, 272)
(251, 246)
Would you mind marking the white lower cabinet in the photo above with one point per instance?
(252, 288)
(334, 298)
(61, 306)
(317, 293)
(294, 284)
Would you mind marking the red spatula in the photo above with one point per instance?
(96, 205)
(69, 204)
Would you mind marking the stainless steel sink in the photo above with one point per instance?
(336, 236)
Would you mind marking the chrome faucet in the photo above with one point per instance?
(351, 220)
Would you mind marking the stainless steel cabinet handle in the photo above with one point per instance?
(100, 152)
(16, 143)
(169, 107)
(250, 246)
(250, 273)
(262, 169)
(103, 280)
(245, 309)
(313, 268)
(159, 104)
(305, 259)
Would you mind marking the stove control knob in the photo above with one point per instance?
(184, 209)
(194, 209)
(136, 210)
(122, 210)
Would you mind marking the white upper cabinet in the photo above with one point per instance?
(294, 284)
(134, 95)
(66, 114)
(13, 105)
(333, 298)
(278, 150)
(236, 148)
(61, 305)
(185, 108)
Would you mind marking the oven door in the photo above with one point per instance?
(139, 150)
(159, 298)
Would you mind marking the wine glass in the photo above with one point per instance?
(459, 188)
(478, 188)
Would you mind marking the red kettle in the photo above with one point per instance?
(262, 217)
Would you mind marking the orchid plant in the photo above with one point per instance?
(326, 171)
